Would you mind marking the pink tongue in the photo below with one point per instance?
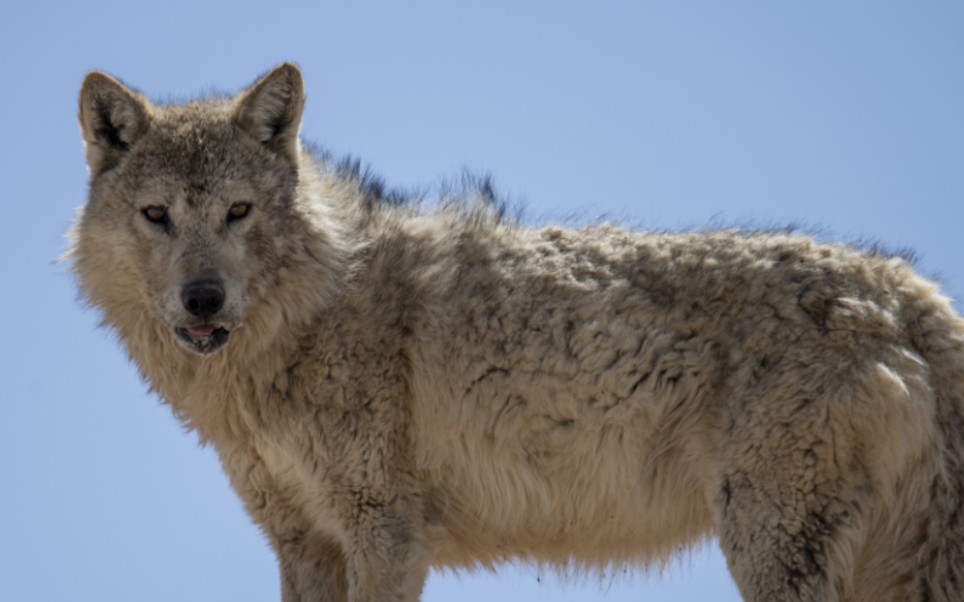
(201, 331)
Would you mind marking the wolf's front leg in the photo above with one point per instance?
(312, 570)
(387, 556)
(384, 559)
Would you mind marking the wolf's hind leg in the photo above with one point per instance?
(794, 486)
(817, 453)
(783, 544)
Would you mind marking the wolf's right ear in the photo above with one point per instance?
(112, 118)
(270, 110)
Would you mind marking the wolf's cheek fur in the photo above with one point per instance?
(106, 250)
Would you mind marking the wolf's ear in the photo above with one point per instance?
(270, 110)
(112, 118)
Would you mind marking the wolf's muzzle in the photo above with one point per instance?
(203, 298)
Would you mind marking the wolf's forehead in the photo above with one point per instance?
(197, 136)
(196, 148)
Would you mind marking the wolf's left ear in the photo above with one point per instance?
(270, 110)
(112, 118)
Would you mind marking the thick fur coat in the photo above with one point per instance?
(392, 388)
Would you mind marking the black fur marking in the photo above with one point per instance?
(474, 193)
(639, 382)
(372, 186)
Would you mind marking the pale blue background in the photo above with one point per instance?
(842, 116)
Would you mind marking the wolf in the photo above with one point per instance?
(395, 386)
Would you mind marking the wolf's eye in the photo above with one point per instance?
(156, 214)
(238, 211)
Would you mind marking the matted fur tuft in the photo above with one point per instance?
(394, 383)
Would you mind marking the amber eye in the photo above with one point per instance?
(156, 214)
(238, 211)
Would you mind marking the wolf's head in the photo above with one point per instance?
(195, 222)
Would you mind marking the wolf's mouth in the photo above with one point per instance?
(203, 339)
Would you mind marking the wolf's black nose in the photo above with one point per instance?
(203, 298)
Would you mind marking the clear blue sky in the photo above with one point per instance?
(847, 117)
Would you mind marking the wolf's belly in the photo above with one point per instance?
(548, 470)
